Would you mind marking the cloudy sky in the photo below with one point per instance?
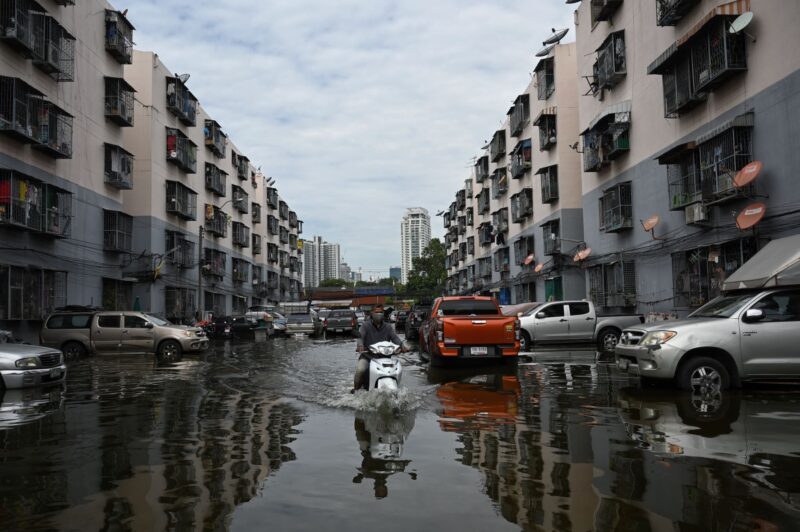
(358, 109)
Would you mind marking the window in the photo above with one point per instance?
(716, 53)
(578, 309)
(722, 156)
(780, 306)
(118, 167)
(256, 244)
(521, 159)
(241, 235)
(256, 212)
(677, 81)
(215, 303)
(499, 183)
(485, 234)
(607, 138)
(18, 24)
(520, 114)
(135, 322)
(69, 321)
(292, 219)
(272, 198)
(613, 285)
(670, 12)
(216, 221)
(119, 37)
(239, 305)
(181, 151)
(109, 321)
(551, 234)
(545, 78)
(119, 101)
(53, 46)
(179, 250)
(461, 200)
(497, 146)
(482, 169)
(240, 199)
(549, 181)
(272, 225)
(241, 271)
(181, 102)
(485, 268)
(552, 311)
(30, 293)
(272, 253)
(502, 260)
(468, 307)
(546, 122)
(215, 180)
(471, 245)
(215, 139)
(53, 131)
(616, 211)
(470, 216)
(683, 178)
(500, 220)
(117, 231)
(284, 235)
(283, 210)
(483, 201)
(241, 163)
(214, 263)
(523, 248)
(603, 9)
(610, 67)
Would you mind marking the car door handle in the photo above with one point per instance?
(563, 319)
(589, 319)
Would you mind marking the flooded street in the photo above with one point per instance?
(267, 436)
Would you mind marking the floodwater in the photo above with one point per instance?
(266, 436)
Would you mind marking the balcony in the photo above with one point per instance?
(118, 167)
(500, 220)
(722, 156)
(256, 213)
(216, 180)
(615, 209)
(272, 198)
(482, 169)
(119, 102)
(502, 260)
(670, 12)
(53, 47)
(483, 201)
(181, 200)
(272, 253)
(283, 210)
(607, 137)
(292, 219)
(551, 235)
(241, 163)
(499, 183)
(240, 270)
(485, 237)
(717, 54)
(256, 244)
(17, 25)
(461, 200)
(181, 151)
(497, 147)
(216, 221)
(117, 231)
(53, 132)
(549, 181)
(272, 225)
(20, 106)
(603, 9)
(241, 201)
(521, 159)
(523, 247)
(545, 78)
(179, 250)
(119, 37)
(215, 139)
(522, 205)
(241, 235)
(27, 203)
(284, 235)
(610, 67)
(181, 102)
(546, 122)
(520, 114)
(214, 263)
(683, 176)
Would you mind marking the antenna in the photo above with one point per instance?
(556, 36)
(545, 51)
(184, 77)
(650, 224)
(740, 23)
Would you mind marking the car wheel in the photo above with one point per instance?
(169, 349)
(704, 376)
(524, 341)
(437, 361)
(73, 350)
(608, 339)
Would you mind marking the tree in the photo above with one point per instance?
(333, 283)
(428, 273)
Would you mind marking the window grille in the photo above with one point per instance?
(117, 231)
(497, 146)
(215, 180)
(181, 151)
(616, 211)
(549, 182)
(180, 304)
(545, 78)
(721, 157)
(119, 101)
(181, 102)
(118, 167)
(119, 37)
(215, 139)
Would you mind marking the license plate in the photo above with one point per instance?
(55, 373)
(478, 350)
(337, 330)
(622, 364)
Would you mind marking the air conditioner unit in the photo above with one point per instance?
(696, 213)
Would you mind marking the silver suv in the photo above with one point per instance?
(24, 365)
(119, 332)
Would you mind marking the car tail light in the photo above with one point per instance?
(517, 328)
(440, 330)
(354, 322)
(325, 323)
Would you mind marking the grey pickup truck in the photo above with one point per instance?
(565, 322)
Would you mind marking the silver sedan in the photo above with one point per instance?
(30, 365)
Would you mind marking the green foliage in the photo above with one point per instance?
(333, 283)
(428, 273)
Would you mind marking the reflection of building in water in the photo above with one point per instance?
(173, 453)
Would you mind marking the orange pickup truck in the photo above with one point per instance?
(469, 328)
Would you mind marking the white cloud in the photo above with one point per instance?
(359, 109)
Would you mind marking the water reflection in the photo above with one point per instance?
(144, 446)
(381, 436)
(18, 407)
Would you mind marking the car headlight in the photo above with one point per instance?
(657, 338)
(188, 333)
(30, 362)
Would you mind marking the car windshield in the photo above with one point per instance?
(468, 307)
(341, 314)
(300, 318)
(156, 321)
(278, 315)
(722, 307)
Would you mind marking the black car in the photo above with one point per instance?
(221, 327)
(402, 316)
(245, 327)
(414, 320)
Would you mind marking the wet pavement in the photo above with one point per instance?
(266, 436)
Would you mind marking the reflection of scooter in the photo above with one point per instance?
(385, 369)
(381, 438)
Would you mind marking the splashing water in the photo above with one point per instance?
(394, 401)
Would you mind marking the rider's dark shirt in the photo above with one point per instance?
(369, 334)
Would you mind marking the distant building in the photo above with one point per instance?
(345, 272)
(331, 261)
(395, 272)
(312, 250)
(415, 234)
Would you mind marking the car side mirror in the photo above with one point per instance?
(753, 315)
(541, 316)
(149, 325)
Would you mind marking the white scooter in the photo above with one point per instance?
(385, 369)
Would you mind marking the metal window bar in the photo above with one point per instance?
(482, 169)
(549, 182)
(214, 263)
(497, 146)
(241, 200)
(499, 183)
(679, 90)
(521, 159)
(21, 201)
(292, 219)
(461, 200)
(118, 167)
(471, 245)
(52, 130)
(241, 235)
(551, 233)
(119, 37)
(603, 9)
(240, 271)
(485, 234)
(216, 221)
(683, 177)
(611, 65)
(519, 115)
(181, 102)
(179, 303)
(501, 260)
(547, 132)
(470, 216)
(256, 213)
(54, 48)
(717, 54)
(615, 140)
(545, 79)
(720, 159)
(181, 151)
(617, 209)
(181, 200)
(283, 210)
(117, 231)
(670, 12)
(592, 162)
(284, 235)
(215, 303)
(215, 138)
(483, 201)
(272, 225)
(216, 180)
(620, 284)
(181, 250)
(526, 202)
(257, 247)
(272, 198)
(17, 27)
(20, 108)
(272, 253)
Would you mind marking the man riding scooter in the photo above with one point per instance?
(372, 331)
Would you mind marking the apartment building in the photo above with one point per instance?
(415, 235)
(513, 228)
(218, 238)
(331, 254)
(677, 103)
(312, 263)
(59, 121)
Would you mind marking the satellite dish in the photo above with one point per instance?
(651, 223)
(539, 268)
(529, 259)
(555, 37)
(545, 51)
(582, 254)
(741, 22)
(751, 215)
(747, 174)
(573, 1)
(184, 77)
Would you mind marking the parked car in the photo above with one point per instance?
(323, 313)
(341, 321)
(118, 332)
(573, 322)
(360, 316)
(279, 322)
(248, 327)
(748, 333)
(24, 365)
(260, 312)
(468, 328)
(304, 323)
(415, 318)
(402, 316)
